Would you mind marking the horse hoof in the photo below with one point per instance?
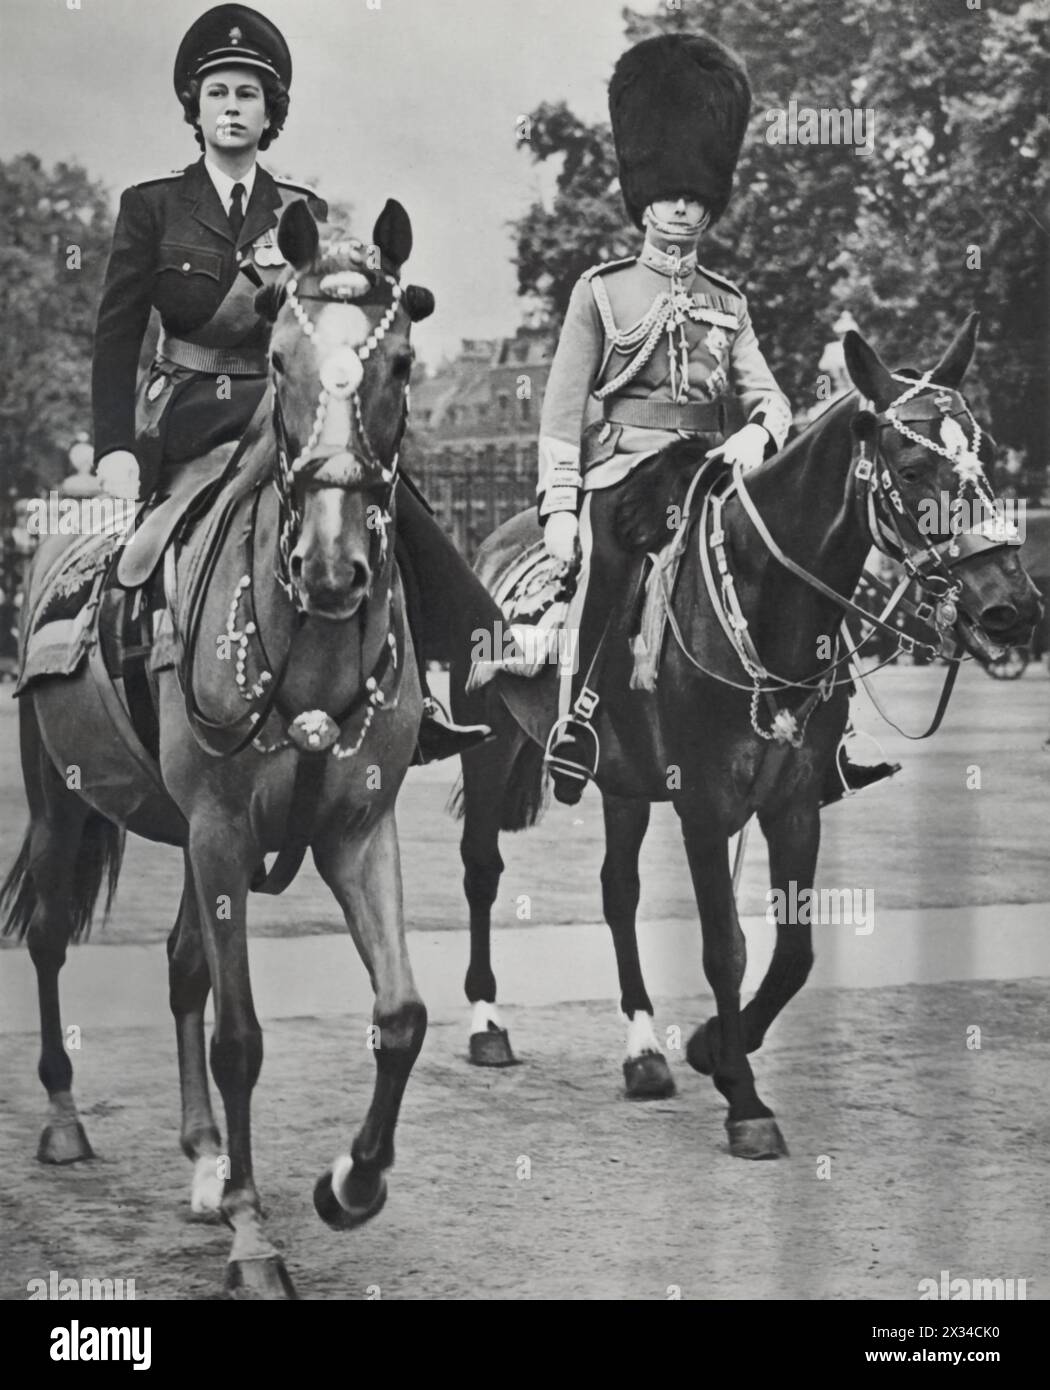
(701, 1051)
(492, 1049)
(648, 1077)
(64, 1144)
(253, 1280)
(759, 1138)
(365, 1198)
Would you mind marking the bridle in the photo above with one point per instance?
(340, 377)
(326, 465)
(876, 492)
(928, 561)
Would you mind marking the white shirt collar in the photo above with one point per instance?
(224, 184)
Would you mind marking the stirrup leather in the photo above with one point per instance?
(578, 723)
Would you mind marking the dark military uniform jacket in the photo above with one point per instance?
(651, 350)
(174, 250)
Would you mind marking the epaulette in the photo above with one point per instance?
(314, 200)
(161, 178)
(603, 267)
(721, 280)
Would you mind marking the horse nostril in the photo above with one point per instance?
(1000, 617)
(295, 568)
(360, 575)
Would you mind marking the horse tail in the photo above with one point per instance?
(523, 797)
(99, 858)
(17, 895)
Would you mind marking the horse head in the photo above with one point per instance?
(920, 458)
(340, 360)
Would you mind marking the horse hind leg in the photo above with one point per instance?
(189, 982)
(497, 793)
(50, 895)
(646, 1073)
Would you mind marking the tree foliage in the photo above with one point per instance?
(57, 229)
(959, 163)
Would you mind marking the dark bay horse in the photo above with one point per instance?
(289, 724)
(751, 698)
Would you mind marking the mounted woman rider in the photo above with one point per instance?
(652, 351)
(198, 246)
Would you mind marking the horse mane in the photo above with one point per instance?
(640, 518)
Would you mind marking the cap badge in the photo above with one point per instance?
(235, 35)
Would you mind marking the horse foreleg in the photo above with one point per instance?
(793, 838)
(364, 873)
(646, 1073)
(219, 859)
(188, 986)
(753, 1132)
(486, 772)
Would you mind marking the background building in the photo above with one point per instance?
(474, 426)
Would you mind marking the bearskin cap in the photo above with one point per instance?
(679, 105)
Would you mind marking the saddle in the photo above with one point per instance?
(99, 596)
(534, 593)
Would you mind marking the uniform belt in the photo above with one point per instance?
(231, 361)
(703, 417)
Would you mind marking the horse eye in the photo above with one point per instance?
(402, 364)
(278, 361)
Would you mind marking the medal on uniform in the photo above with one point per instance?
(155, 387)
(716, 343)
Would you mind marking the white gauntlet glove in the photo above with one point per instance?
(747, 447)
(118, 473)
(561, 533)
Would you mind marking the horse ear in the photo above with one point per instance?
(419, 302)
(951, 369)
(268, 301)
(297, 235)
(867, 371)
(393, 233)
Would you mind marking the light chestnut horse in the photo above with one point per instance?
(289, 724)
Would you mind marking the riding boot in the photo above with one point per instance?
(427, 557)
(845, 778)
(572, 745)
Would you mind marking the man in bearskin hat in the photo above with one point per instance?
(197, 246)
(651, 351)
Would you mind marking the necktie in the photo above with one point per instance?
(237, 209)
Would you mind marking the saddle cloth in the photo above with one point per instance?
(83, 597)
(534, 594)
(57, 630)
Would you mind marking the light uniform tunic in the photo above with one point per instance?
(615, 348)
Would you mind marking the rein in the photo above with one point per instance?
(878, 503)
